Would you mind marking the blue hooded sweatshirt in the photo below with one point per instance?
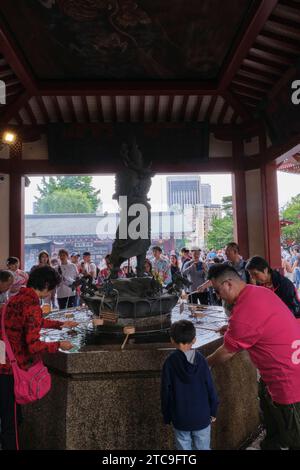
(188, 395)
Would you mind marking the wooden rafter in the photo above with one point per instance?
(263, 10)
(14, 58)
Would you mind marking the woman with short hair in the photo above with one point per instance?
(23, 322)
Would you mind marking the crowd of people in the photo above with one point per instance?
(262, 305)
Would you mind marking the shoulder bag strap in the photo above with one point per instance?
(9, 351)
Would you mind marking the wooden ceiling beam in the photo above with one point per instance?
(71, 108)
(268, 57)
(170, 108)
(284, 43)
(196, 110)
(11, 111)
(100, 114)
(260, 14)
(15, 60)
(30, 113)
(245, 91)
(114, 114)
(237, 105)
(210, 108)
(141, 110)
(259, 76)
(85, 109)
(182, 111)
(43, 109)
(223, 112)
(258, 64)
(249, 83)
(58, 111)
(127, 88)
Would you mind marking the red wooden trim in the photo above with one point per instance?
(44, 167)
(13, 109)
(271, 214)
(260, 14)
(16, 216)
(127, 88)
(14, 58)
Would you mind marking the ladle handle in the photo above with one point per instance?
(125, 341)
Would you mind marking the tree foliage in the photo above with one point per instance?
(67, 194)
(68, 201)
(221, 231)
(291, 212)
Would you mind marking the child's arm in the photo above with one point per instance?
(165, 394)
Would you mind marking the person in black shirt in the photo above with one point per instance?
(263, 275)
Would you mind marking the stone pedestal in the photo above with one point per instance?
(110, 399)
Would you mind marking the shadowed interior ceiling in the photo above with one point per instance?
(115, 39)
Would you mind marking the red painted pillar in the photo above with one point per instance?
(239, 200)
(16, 208)
(271, 214)
(240, 228)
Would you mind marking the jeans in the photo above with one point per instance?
(66, 302)
(193, 440)
(297, 277)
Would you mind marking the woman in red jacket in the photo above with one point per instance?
(23, 322)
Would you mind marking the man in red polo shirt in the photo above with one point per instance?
(264, 326)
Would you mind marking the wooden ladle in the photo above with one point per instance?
(127, 330)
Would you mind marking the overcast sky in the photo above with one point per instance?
(288, 186)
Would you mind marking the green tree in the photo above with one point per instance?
(291, 212)
(227, 206)
(86, 197)
(68, 201)
(221, 231)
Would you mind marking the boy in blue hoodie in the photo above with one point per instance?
(188, 397)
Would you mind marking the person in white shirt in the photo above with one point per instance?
(66, 290)
(90, 268)
(20, 277)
